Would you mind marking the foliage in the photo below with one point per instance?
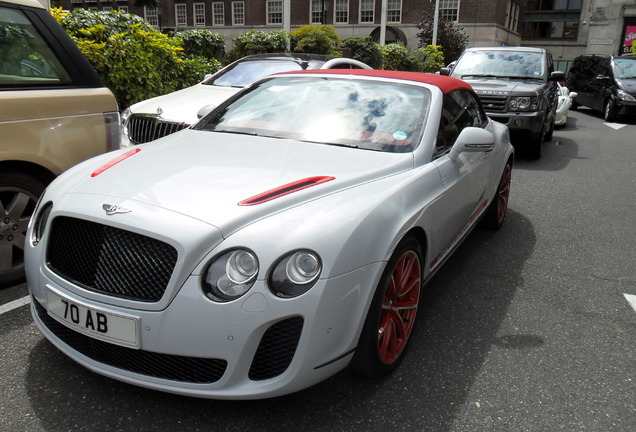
(258, 42)
(315, 39)
(202, 43)
(133, 59)
(430, 57)
(364, 49)
(452, 40)
(396, 57)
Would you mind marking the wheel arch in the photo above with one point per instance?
(39, 172)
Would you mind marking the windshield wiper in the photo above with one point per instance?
(479, 76)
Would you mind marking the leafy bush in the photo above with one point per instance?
(430, 57)
(133, 59)
(396, 57)
(364, 49)
(315, 39)
(258, 42)
(202, 43)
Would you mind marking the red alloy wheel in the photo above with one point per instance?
(503, 194)
(399, 306)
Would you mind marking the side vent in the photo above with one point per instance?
(285, 190)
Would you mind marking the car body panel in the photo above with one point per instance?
(186, 189)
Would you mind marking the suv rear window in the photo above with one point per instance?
(26, 57)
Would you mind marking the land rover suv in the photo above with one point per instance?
(54, 113)
(518, 87)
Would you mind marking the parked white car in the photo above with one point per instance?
(160, 116)
(285, 236)
(564, 104)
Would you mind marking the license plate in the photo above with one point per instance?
(95, 322)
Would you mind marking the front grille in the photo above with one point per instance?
(166, 366)
(493, 103)
(277, 349)
(110, 260)
(144, 128)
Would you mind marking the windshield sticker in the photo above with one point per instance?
(399, 135)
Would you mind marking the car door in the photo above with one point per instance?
(465, 180)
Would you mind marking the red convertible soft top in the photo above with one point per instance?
(445, 83)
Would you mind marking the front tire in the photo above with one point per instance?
(18, 195)
(496, 213)
(609, 111)
(391, 317)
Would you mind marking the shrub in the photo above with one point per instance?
(365, 50)
(315, 39)
(202, 43)
(430, 57)
(396, 57)
(258, 42)
(133, 59)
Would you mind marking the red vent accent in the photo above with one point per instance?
(285, 190)
(115, 161)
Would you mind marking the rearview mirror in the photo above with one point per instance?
(472, 139)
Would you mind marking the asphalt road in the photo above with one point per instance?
(527, 329)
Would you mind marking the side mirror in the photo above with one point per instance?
(446, 71)
(557, 76)
(205, 110)
(474, 140)
(572, 95)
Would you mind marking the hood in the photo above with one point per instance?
(183, 105)
(628, 85)
(504, 87)
(212, 176)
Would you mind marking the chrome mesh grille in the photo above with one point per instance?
(144, 128)
(165, 366)
(493, 103)
(277, 349)
(110, 260)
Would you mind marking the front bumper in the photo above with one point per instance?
(255, 347)
(523, 126)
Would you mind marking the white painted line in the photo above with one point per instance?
(615, 126)
(14, 304)
(631, 299)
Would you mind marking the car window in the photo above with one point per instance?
(367, 114)
(501, 64)
(26, 59)
(247, 72)
(460, 109)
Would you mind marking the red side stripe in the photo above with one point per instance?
(285, 190)
(115, 161)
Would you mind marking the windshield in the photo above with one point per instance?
(369, 114)
(246, 72)
(625, 68)
(501, 64)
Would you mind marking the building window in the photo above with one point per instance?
(449, 10)
(274, 12)
(122, 9)
(367, 9)
(151, 15)
(218, 14)
(238, 13)
(316, 12)
(77, 1)
(341, 12)
(107, 8)
(180, 15)
(394, 11)
(199, 14)
(551, 30)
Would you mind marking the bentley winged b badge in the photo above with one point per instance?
(112, 209)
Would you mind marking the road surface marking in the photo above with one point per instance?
(615, 126)
(631, 299)
(21, 302)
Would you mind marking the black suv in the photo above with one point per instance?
(517, 87)
(605, 83)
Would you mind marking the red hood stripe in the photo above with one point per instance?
(115, 161)
(285, 190)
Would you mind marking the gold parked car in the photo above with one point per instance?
(54, 112)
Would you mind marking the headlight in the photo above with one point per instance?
(622, 95)
(295, 273)
(39, 220)
(525, 103)
(230, 275)
(125, 115)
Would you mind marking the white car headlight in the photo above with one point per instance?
(125, 114)
(39, 220)
(295, 273)
(230, 275)
(623, 95)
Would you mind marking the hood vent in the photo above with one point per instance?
(285, 190)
